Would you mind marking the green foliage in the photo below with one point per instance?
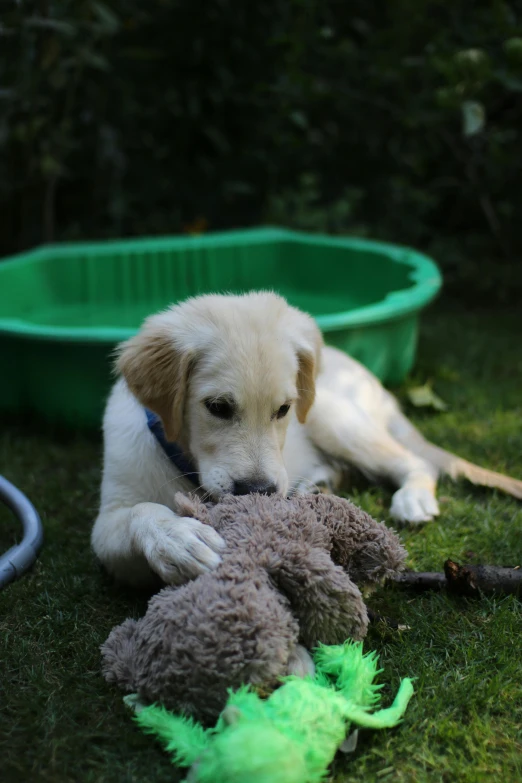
(398, 120)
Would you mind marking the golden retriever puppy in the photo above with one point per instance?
(237, 394)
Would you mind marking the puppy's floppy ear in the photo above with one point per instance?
(156, 368)
(308, 341)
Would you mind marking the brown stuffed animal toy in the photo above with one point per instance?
(288, 575)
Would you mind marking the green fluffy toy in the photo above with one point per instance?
(291, 737)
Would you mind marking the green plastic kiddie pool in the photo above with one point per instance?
(63, 308)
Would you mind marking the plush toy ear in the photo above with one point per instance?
(156, 368)
(119, 654)
(309, 344)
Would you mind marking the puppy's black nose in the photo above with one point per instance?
(248, 487)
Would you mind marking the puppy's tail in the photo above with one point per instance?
(448, 463)
(456, 467)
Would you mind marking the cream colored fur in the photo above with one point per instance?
(260, 354)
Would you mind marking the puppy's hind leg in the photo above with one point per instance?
(344, 431)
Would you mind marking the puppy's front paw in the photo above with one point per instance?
(177, 548)
(414, 504)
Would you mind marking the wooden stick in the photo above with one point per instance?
(468, 580)
(420, 580)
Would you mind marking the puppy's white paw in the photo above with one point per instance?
(176, 548)
(414, 504)
(300, 662)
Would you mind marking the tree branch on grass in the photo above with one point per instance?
(470, 580)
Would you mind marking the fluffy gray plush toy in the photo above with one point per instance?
(288, 575)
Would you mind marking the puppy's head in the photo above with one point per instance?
(225, 374)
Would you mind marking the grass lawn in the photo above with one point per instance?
(59, 721)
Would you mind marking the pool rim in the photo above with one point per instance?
(396, 304)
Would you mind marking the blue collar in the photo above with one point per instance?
(173, 451)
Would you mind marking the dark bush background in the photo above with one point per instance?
(399, 120)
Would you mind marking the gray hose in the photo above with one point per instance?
(19, 558)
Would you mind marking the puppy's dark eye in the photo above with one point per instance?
(283, 410)
(221, 409)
